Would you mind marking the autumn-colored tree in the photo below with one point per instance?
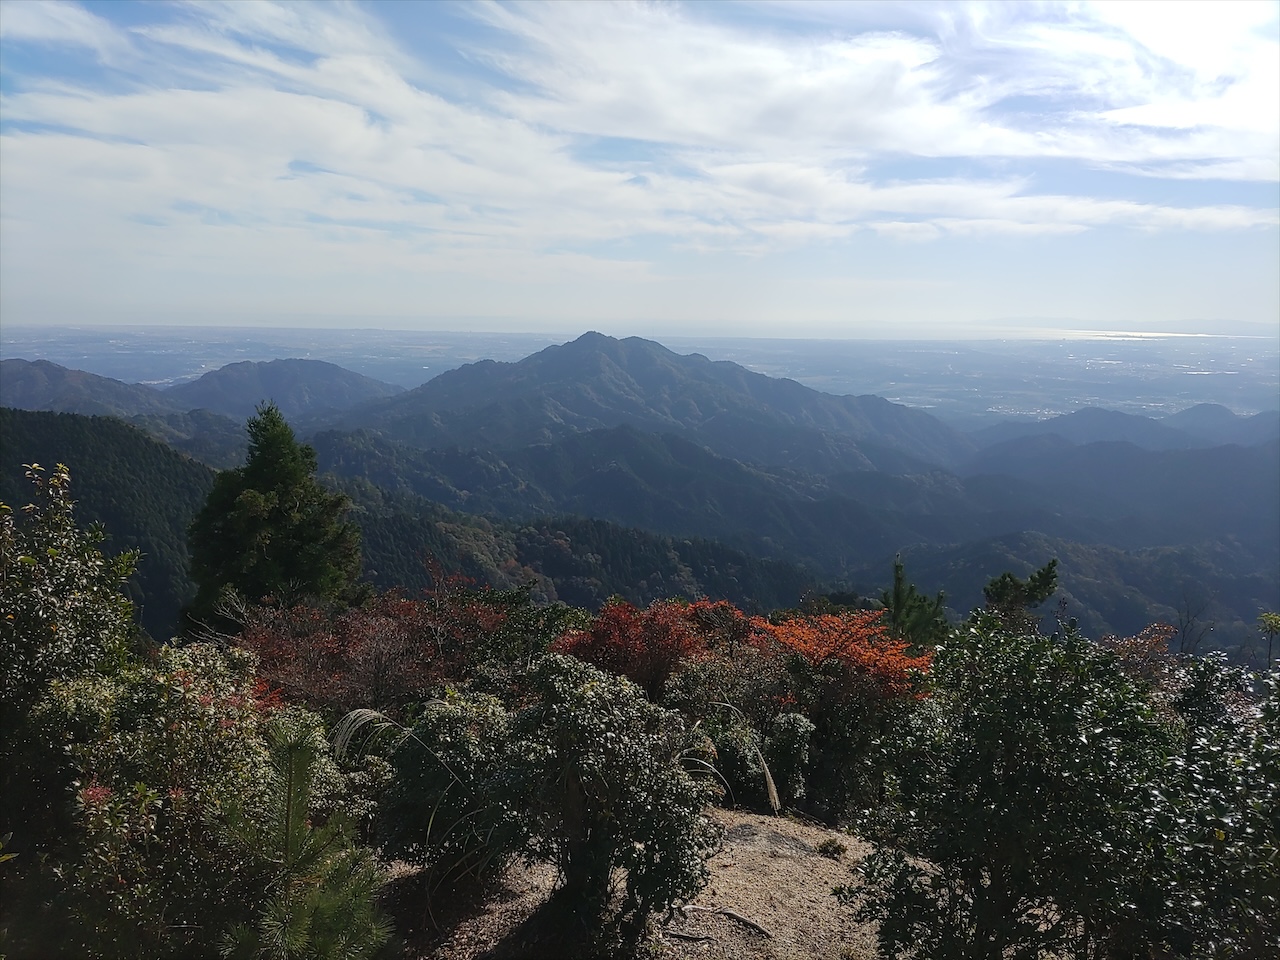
(1145, 655)
(392, 651)
(643, 645)
(720, 624)
(857, 641)
(851, 680)
(490, 634)
(374, 655)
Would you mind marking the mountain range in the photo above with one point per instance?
(629, 433)
(1204, 425)
(597, 382)
(297, 387)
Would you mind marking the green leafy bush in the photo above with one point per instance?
(740, 697)
(739, 759)
(750, 680)
(763, 771)
(586, 774)
(786, 749)
(595, 767)
(162, 753)
(64, 614)
(444, 811)
(1214, 824)
(1019, 784)
(171, 757)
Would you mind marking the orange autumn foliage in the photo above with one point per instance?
(857, 641)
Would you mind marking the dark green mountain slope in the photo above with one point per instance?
(208, 437)
(1221, 585)
(143, 492)
(597, 382)
(146, 495)
(671, 485)
(1151, 498)
(41, 385)
(296, 386)
(1124, 516)
(579, 561)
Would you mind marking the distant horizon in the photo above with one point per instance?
(986, 335)
(1037, 376)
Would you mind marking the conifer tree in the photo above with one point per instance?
(270, 529)
(910, 615)
(1010, 599)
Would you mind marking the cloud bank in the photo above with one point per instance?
(310, 158)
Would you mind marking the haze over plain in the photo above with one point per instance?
(760, 169)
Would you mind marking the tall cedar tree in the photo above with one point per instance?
(270, 529)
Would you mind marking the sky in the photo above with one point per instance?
(794, 169)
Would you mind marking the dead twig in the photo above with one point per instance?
(732, 915)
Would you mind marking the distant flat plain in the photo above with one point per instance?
(966, 382)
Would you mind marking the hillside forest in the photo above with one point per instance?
(307, 702)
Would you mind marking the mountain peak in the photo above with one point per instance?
(44, 385)
(597, 381)
(298, 386)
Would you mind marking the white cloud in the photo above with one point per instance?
(667, 76)
(59, 23)
(283, 138)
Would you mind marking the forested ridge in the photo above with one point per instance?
(574, 559)
(143, 493)
(147, 494)
(248, 788)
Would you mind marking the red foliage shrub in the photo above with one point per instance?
(389, 652)
(720, 624)
(852, 680)
(1144, 656)
(644, 645)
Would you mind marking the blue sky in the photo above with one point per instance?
(763, 169)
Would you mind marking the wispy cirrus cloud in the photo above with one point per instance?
(63, 24)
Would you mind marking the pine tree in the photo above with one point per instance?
(1010, 599)
(322, 898)
(270, 529)
(910, 615)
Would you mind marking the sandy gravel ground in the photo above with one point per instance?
(769, 874)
